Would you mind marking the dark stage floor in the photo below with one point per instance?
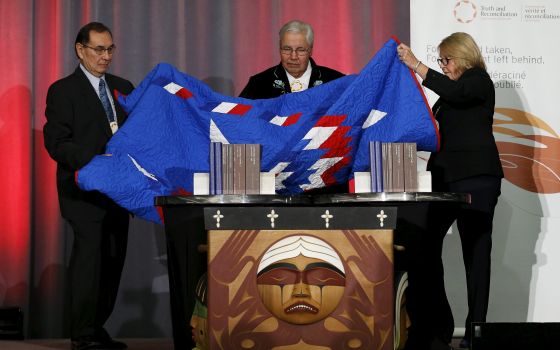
(64, 344)
(133, 344)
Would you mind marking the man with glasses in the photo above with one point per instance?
(81, 117)
(296, 72)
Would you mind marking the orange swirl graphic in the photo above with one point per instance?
(530, 161)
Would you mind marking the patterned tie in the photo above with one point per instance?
(105, 101)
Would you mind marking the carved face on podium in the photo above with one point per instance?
(199, 318)
(301, 279)
(199, 326)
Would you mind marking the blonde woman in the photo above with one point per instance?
(467, 162)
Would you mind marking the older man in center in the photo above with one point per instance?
(296, 72)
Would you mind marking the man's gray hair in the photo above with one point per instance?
(296, 26)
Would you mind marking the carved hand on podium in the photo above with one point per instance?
(369, 250)
(229, 262)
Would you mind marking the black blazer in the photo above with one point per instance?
(465, 113)
(77, 129)
(273, 82)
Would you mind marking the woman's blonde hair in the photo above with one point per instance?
(464, 50)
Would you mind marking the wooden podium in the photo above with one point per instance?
(300, 277)
(301, 272)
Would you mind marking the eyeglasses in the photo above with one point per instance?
(300, 51)
(443, 61)
(99, 50)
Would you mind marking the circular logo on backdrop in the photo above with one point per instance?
(465, 11)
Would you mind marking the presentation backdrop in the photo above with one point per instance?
(518, 40)
(221, 42)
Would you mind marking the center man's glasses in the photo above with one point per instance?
(300, 51)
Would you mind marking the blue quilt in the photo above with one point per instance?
(311, 139)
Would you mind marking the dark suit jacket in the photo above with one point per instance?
(77, 129)
(273, 82)
(465, 113)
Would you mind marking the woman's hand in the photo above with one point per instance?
(409, 59)
(406, 56)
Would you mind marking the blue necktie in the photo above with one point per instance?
(105, 101)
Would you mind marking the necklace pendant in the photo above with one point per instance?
(296, 86)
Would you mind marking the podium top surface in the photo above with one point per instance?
(380, 198)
